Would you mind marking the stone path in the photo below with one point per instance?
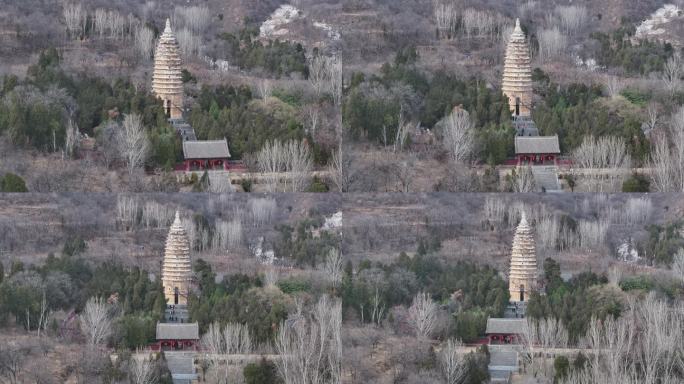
(546, 177)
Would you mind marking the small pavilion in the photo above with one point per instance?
(206, 155)
(536, 150)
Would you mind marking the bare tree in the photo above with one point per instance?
(237, 339)
(614, 85)
(552, 43)
(144, 42)
(195, 18)
(600, 159)
(636, 211)
(133, 143)
(572, 17)
(667, 156)
(270, 277)
(262, 211)
(333, 267)
(652, 116)
(523, 179)
(71, 140)
(458, 135)
(74, 16)
(478, 23)
(446, 15)
(234, 232)
(593, 233)
(214, 345)
(342, 170)
(310, 345)
(403, 127)
(190, 43)
(453, 364)
(293, 158)
(115, 24)
(312, 118)
(377, 308)
(336, 80)
(127, 209)
(96, 321)
(12, 358)
(403, 170)
(142, 370)
(227, 234)
(298, 163)
(100, 22)
(639, 347)
(678, 265)
(547, 230)
(270, 160)
(325, 75)
(107, 139)
(264, 88)
(422, 315)
(672, 73)
(43, 316)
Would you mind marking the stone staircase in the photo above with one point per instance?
(546, 178)
(176, 314)
(185, 130)
(503, 361)
(181, 365)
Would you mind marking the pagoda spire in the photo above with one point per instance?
(167, 83)
(176, 265)
(522, 279)
(517, 75)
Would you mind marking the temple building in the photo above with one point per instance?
(517, 74)
(174, 336)
(522, 279)
(206, 155)
(176, 267)
(167, 83)
(536, 150)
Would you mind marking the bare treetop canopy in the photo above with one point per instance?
(175, 331)
(505, 326)
(210, 149)
(537, 145)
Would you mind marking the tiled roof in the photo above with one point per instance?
(176, 331)
(206, 149)
(536, 144)
(505, 326)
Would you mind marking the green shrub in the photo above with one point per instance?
(636, 183)
(263, 373)
(246, 185)
(561, 366)
(643, 283)
(318, 185)
(293, 285)
(470, 325)
(635, 96)
(12, 183)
